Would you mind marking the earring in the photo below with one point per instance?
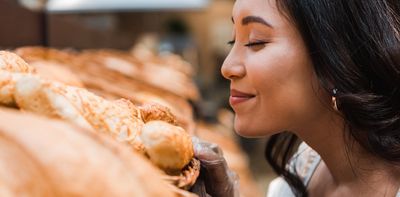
(334, 91)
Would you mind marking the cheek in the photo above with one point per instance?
(277, 77)
(283, 81)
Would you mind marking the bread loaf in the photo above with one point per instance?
(118, 118)
(35, 94)
(43, 157)
(168, 146)
(19, 176)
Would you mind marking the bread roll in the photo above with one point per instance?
(168, 146)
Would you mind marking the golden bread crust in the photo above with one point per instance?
(57, 159)
(168, 146)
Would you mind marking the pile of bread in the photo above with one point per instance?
(41, 157)
(150, 130)
(154, 119)
(115, 74)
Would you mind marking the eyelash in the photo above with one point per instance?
(249, 44)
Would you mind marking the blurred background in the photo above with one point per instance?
(195, 30)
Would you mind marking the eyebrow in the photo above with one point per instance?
(254, 19)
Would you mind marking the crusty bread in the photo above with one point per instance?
(43, 157)
(13, 63)
(118, 118)
(19, 176)
(168, 146)
(154, 111)
(35, 94)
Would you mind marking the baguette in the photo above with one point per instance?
(37, 95)
(120, 118)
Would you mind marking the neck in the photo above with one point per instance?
(346, 164)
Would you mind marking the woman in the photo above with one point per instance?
(327, 72)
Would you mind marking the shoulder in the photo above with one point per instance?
(303, 163)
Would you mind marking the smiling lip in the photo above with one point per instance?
(239, 97)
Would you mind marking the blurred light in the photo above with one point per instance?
(36, 5)
(122, 5)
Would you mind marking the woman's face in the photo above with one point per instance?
(273, 86)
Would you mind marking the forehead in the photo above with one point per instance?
(252, 7)
(263, 8)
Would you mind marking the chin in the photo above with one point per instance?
(249, 130)
(246, 131)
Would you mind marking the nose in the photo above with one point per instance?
(233, 67)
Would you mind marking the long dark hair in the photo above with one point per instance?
(355, 48)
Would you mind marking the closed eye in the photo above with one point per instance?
(256, 45)
(250, 44)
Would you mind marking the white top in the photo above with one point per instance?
(304, 162)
